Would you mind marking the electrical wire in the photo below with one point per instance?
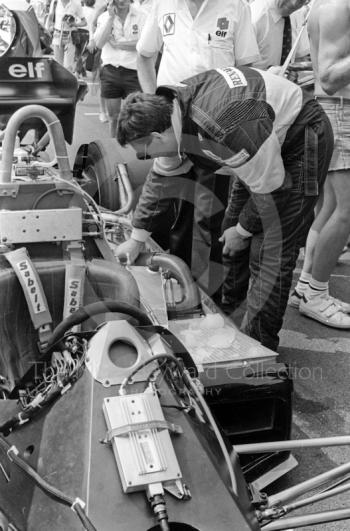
(152, 375)
(66, 367)
(72, 187)
(215, 429)
(205, 408)
(87, 524)
(48, 192)
(51, 491)
(89, 198)
(25, 416)
(147, 362)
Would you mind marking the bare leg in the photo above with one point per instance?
(113, 108)
(336, 230)
(315, 301)
(58, 53)
(69, 57)
(103, 110)
(325, 206)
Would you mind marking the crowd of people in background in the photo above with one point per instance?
(195, 209)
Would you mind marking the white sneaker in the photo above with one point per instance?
(103, 117)
(295, 299)
(325, 309)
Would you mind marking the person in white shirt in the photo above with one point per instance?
(118, 30)
(64, 16)
(268, 19)
(194, 36)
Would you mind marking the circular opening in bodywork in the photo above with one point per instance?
(176, 526)
(122, 354)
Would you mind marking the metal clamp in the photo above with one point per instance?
(123, 431)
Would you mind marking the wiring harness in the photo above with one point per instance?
(49, 382)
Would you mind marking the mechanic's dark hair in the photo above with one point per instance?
(89, 3)
(141, 114)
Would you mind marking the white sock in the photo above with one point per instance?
(316, 289)
(303, 282)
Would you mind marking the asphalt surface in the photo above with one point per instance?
(320, 361)
(319, 357)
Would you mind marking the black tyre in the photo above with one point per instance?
(95, 168)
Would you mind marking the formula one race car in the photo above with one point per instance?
(126, 395)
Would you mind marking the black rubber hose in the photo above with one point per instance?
(95, 308)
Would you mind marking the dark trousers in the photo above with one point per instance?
(195, 233)
(263, 272)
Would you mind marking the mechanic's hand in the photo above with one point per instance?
(127, 252)
(233, 241)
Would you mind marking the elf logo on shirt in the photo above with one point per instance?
(135, 29)
(222, 25)
(169, 24)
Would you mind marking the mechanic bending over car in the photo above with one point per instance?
(274, 137)
(218, 34)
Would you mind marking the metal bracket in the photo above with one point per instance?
(259, 499)
(30, 226)
(121, 335)
(75, 250)
(9, 190)
(179, 490)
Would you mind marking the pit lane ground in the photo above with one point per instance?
(320, 361)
